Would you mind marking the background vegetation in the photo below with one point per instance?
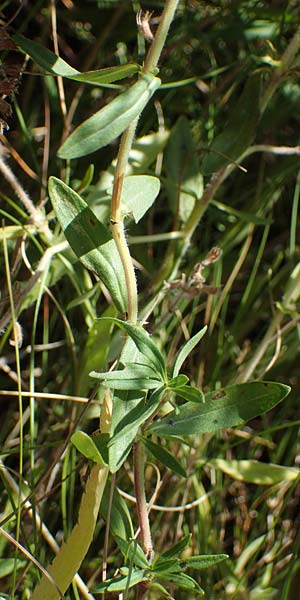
(251, 307)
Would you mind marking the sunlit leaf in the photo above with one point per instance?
(186, 350)
(253, 471)
(224, 408)
(110, 121)
(86, 446)
(89, 239)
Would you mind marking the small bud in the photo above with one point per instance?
(143, 23)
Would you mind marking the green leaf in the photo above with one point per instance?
(57, 66)
(182, 581)
(178, 547)
(145, 150)
(132, 552)
(109, 122)
(224, 408)
(119, 584)
(253, 471)
(86, 180)
(202, 561)
(190, 393)
(127, 429)
(239, 132)
(184, 179)
(163, 565)
(138, 194)
(86, 446)
(8, 565)
(165, 457)
(177, 382)
(120, 522)
(186, 350)
(144, 344)
(132, 377)
(89, 239)
(94, 354)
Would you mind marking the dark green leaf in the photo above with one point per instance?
(178, 547)
(190, 393)
(128, 427)
(239, 132)
(94, 354)
(132, 552)
(202, 561)
(89, 239)
(182, 581)
(145, 345)
(163, 565)
(132, 377)
(119, 584)
(120, 520)
(184, 179)
(177, 382)
(165, 457)
(57, 66)
(224, 408)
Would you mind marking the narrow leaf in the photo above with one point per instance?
(253, 471)
(165, 457)
(177, 382)
(133, 376)
(239, 132)
(119, 584)
(182, 581)
(127, 429)
(202, 561)
(89, 239)
(184, 182)
(178, 547)
(186, 350)
(190, 393)
(57, 66)
(224, 408)
(132, 552)
(144, 344)
(117, 511)
(109, 122)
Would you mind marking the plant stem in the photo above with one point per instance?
(116, 221)
(118, 233)
(139, 482)
(156, 48)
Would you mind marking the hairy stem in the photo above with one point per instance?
(118, 233)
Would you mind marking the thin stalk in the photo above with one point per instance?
(117, 228)
(141, 503)
(116, 221)
(156, 48)
(286, 63)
